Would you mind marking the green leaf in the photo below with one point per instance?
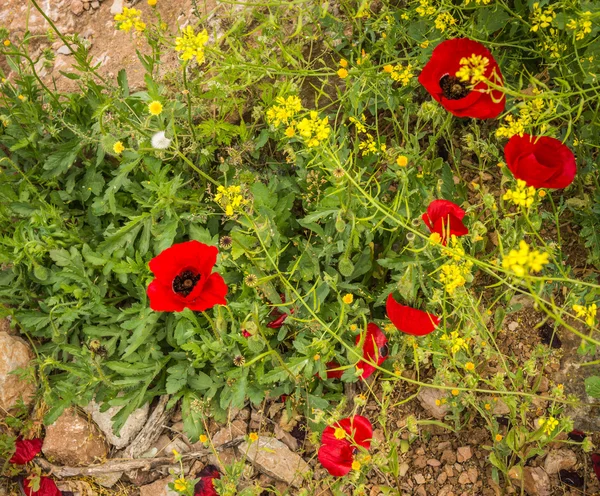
(592, 386)
(200, 381)
(123, 83)
(59, 162)
(177, 377)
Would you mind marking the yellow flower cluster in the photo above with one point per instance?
(343, 70)
(130, 19)
(554, 47)
(589, 313)
(529, 113)
(472, 69)
(478, 2)
(191, 44)
(230, 199)
(348, 298)
(359, 124)
(541, 18)
(444, 20)
(425, 8)
(400, 73)
(455, 342)
(180, 485)
(453, 275)
(548, 424)
(525, 261)
(370, 146)
(522, 195)
(582, 26)
(313, 129)
(284, 111)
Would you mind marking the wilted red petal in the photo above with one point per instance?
(410, 320)
(374, 349)
(26, 450)
(47, 488)
(205, 486)
(333, 374)
(337, 455)
(278, 322)
(180, 259)
(596, 464)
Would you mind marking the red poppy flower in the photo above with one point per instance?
(459, 97)
(445, 218)
(279, 317)
(410, 320)
(596, 464)
(47, 487)
(374, 350)
(336, 454)
(26, 449)
(205, 486)
(542, 162)
(184, 279)
(331, 373)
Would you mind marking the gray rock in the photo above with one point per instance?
(276, 460)
(557, 460)
(158, 488)
(108, 480)
(132, 426)
(64, 50)
(14, 354)
(117, 7)
(428, 396)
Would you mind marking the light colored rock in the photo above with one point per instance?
(428, 396)
(117, 7)
(158, 488)
(73, 440)
(535, 480)
(14, 354)
(463, 454)
(108, 480)
(275, 459)
(226, 434)
(95, 5)
(64, 50)
(419, 479)
(132, 426)
(562, 459)
(77, 7)
(290, 441)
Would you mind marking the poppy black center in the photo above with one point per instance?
(453, 88)
(383, 351)
(354, 450)
(185, 282)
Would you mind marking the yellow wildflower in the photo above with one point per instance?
(487, 406)
(548, 424)
(203, 438)
(388, 68)
(581, 26)
(525, 261)
(180, 485)
(155, 107)
(456, 342)
(6, 43)
(339, 433)
(541, 18)
(152, 3)
(356, 465)
(401, 74)
(253, 437)
(444, 20)
(342, 73)
(499, 438)
(455, 392)
(470, 366)
(425, 8)
(313, 129)
(348, 298)
(589, 313)
(402, 161)
(284, 110)
(22, 98)
(130, 19)
(353, 327)
(230, 199)
(290, 132)
(435, 238)
(522, 195)
(424, 44)
(472, 69)
(343, 63)
(118, 148)
(191, 44)
(451, 276)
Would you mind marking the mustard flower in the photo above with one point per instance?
(191, 45)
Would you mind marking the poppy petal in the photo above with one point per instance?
(26, 450)
(445, 218)
(410, 320)
(374, 349)
(47, 488)
(164, 299)
(336, 458)
(596, 464)
(359, 428)
(213, 293)
(205, 486)
(333, 374)
(170, 262)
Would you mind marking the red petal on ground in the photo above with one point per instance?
(26, 450)
(410, 320)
